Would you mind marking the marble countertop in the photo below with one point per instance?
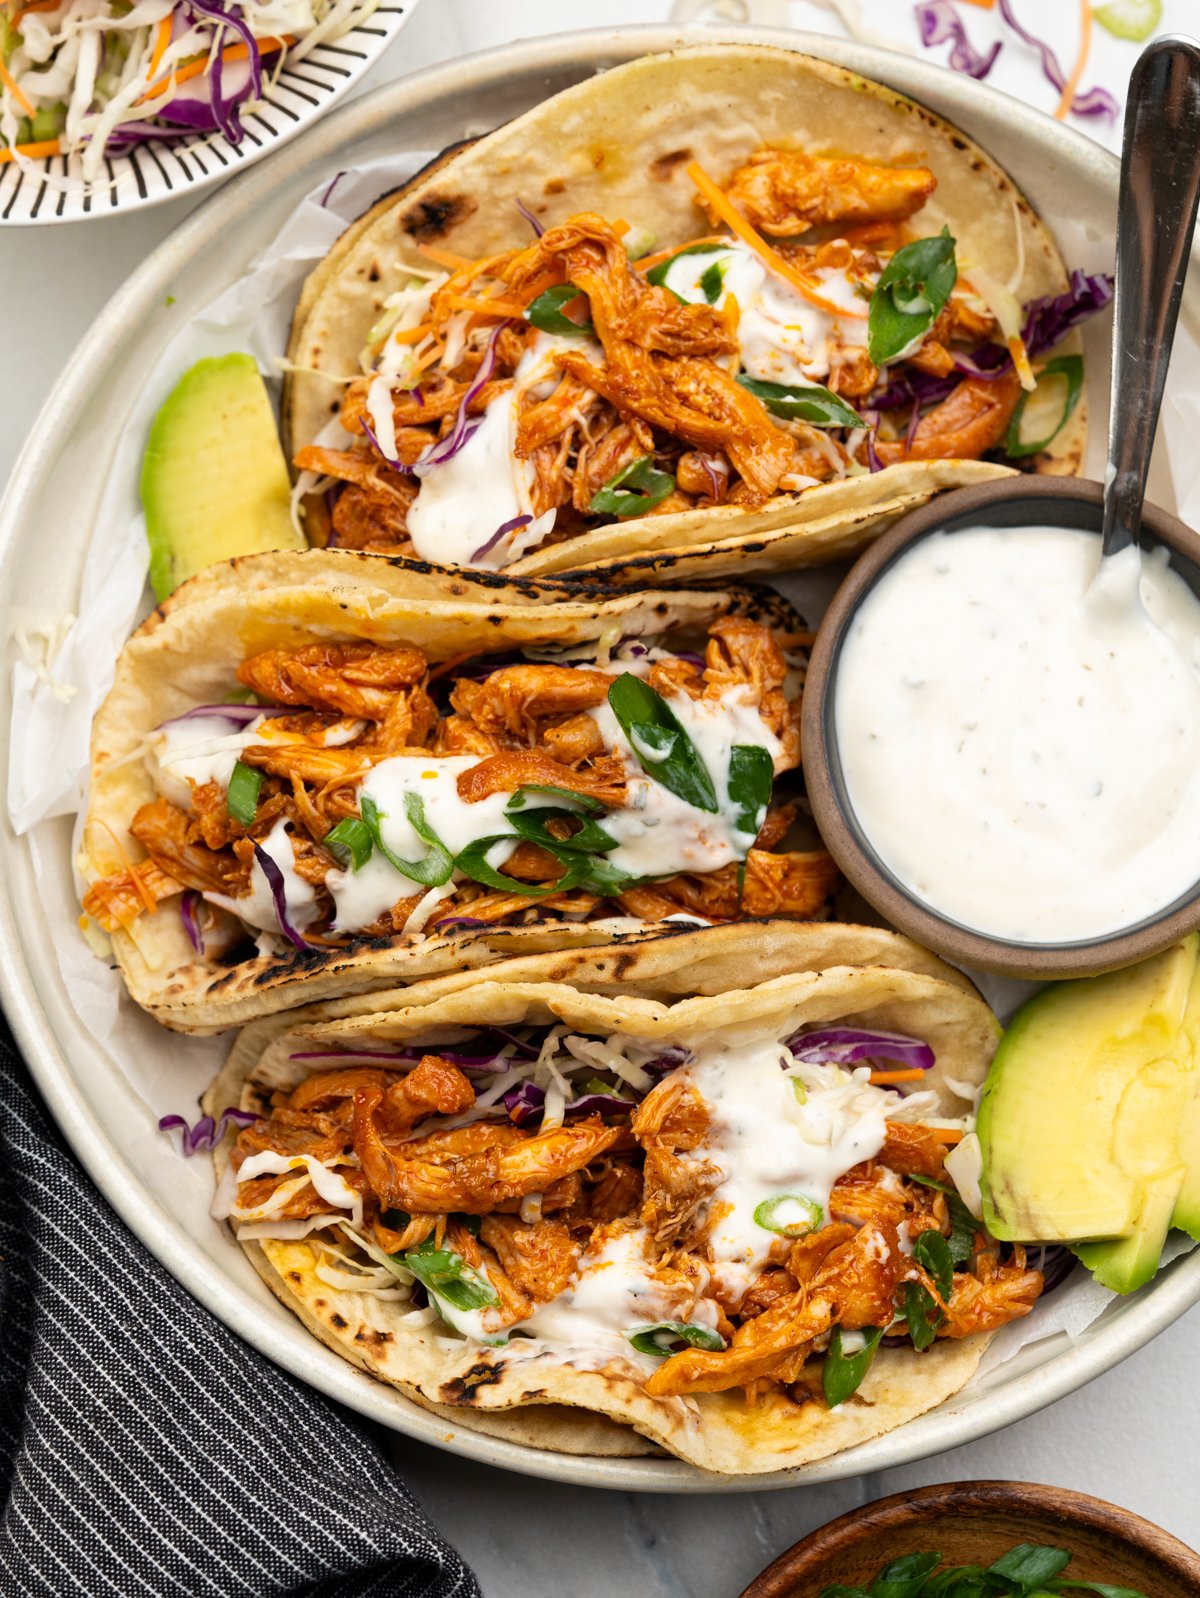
(1129, 1437)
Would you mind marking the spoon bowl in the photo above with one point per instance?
(1011, 502)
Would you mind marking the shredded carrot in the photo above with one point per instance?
(882, 1077)
(149, 902)
(1020, 359)
(620, 229)
(33, 151)
(734, 219)
(496, 307)
(193, 69)
(36, 5)
(948, 1134)
(1085, 44)
(452, 664)
(434, 252)
(984, 5)
(160, 46)
(410, 335)
(14, 88)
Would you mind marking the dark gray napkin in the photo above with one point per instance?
(144, 1449)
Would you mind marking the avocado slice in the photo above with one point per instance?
(1186, 1215)
(1084, 1099)
(214, 480)
(1127, 1263)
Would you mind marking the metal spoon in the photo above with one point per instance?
(1156, 215)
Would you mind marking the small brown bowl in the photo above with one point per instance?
(974, 1523)
(1011, 502)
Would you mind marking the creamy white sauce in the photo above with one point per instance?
(461, 503)
(200, 750)
(257, 907)
(1020, 736)
(784, 338)
(658, 833)
(611, 1293)
(768, 1140)
(361, 897)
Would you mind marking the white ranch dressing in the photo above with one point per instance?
(257, 907)
(770, 1139)
(461, 503)
(784, 338)
(1020, 731)
(659, 834)
(190, 753)
(612, 1292)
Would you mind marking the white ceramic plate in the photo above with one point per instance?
(107, 1104)
(52, 189)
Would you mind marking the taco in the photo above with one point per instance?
(738, 1225)
(321, 773)
(766, 306)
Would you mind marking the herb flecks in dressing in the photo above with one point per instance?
(1019, 730)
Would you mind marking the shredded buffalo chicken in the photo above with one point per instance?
(603, 1176)
(525, 725)
(658, 378)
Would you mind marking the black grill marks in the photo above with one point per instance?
(433, 216)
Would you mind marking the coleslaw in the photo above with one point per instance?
(94, 78)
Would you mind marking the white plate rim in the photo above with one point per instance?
(468, 78)
(162, 175)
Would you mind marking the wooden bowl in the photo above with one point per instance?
(973, 1523)
(1009, 502)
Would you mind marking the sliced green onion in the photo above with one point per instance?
(1065, 372)
(768, 1215)
(448, 1275)
(531, 825)
(546, 312)
(658, 274)
(437, 866)
(350, 843)
(909, 296)
(1130, 19)
(843, 1374)
(819, 406)
(473, 862)
(661, 743)
(636, 489)
(657, 1339)
(751, 778)
(581, 802)
(712, 280)
(241, 800)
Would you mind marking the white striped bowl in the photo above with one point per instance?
(52, 189)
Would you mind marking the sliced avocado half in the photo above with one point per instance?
(214, 480)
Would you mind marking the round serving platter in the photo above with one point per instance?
(107, 1104)
(52, 190)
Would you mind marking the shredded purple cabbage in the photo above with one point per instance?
(1092, 103)
(841, 1045)
(504, 528)
(447, 448)
(716, 469)
(206, 1133)
(872, 420)
(458, 921)
(279, 893)
(669, 1060)
(189, 903)
(526, 1104)
(239, 715)
(537, 227)
(333, 183)
(938, 21)
(1047, 322)
(396, 465)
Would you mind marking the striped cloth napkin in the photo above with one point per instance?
(145, 1451)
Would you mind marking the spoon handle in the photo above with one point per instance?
(1156, 214)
